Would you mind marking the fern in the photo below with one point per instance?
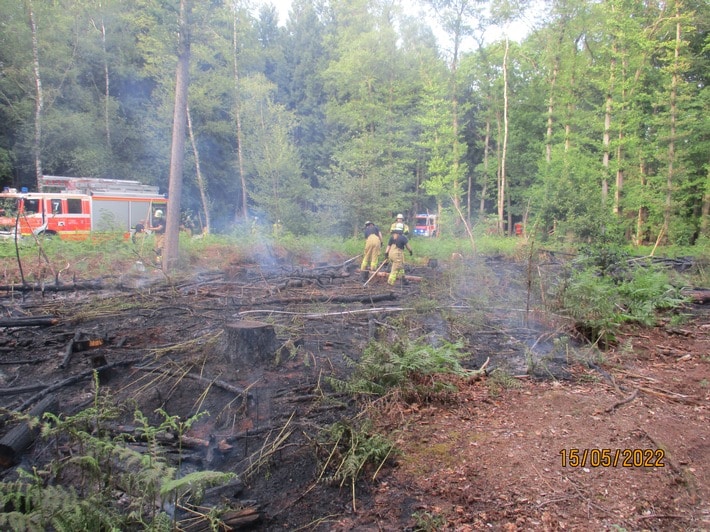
(99, 467)
(405, 365)
(352, 450)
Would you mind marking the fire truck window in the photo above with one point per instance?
(73, 205)
(56, 206)
(31, 206)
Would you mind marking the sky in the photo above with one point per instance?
(517, 31)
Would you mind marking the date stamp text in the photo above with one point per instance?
(612, 457)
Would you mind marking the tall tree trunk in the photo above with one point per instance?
(177, 151)
(198, 171)
(673, 108)
(486, 157)
(606, 139)
(642, 214)
(501, 190)
(107, 84)
(39, 97)
(705, 210)
(550, 111)
(619, 181)
(238, 119)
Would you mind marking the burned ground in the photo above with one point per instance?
(489, 456)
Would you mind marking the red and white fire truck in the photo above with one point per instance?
(75, 207)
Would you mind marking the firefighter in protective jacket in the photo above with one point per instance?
(373, 243)
(400, 220)
(395, 253)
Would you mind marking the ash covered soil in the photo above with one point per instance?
(503, 451)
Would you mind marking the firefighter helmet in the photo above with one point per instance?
(400, 217)
(158, 213)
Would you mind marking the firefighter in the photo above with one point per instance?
(277, 229)
(395, 253)
(157, 226)
(373, 243)
(400, 220)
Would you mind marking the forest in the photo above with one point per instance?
(593, 125)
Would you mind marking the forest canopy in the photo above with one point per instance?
(594, 124)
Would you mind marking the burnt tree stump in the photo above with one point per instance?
(249, 341)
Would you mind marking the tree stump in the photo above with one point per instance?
(246, 342)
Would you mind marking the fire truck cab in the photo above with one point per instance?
(426, 225)
(73, 208)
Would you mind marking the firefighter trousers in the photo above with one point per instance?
(397, 257)
(372, 253)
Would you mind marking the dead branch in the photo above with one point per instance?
(374, 298)
(207, 382)
(622, 402)
(325, 314)
(72, 380)
(29, 321)
(89, 285)
(69, 350)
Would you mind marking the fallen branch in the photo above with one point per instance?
(69, 350)
(360, 298)
(52, 287)
(74, 379)
(29, 321)
(208, 382)
(673, 396)
(325, 314)
(622, 402)
(476, 374)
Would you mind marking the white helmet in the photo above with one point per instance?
(400, 217)
(158, 213)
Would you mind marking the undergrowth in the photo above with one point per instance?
(102, 480)
(607, 289)
(409, 366)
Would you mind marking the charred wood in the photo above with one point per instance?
(89, 285)
(72, 380)
(249, 341)
(204, 380)
(360, 298)
(700, 296)
(29, 321)
(15, 442)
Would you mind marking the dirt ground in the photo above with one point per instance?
(557, 436)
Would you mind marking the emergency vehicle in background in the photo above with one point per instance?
(72, 208)
(426, 225)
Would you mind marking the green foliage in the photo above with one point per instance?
(78, 493)
(428, 522)
(407, 366)
(609, 290)
(499, 380)
(352, 451)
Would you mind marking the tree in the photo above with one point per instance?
(177, 152)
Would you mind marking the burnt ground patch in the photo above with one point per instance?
(162, 348)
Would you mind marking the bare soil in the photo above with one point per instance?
(522, 448)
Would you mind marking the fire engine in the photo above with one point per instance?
(72, 208)
(426, 225)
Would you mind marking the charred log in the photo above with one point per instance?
(15, 442)
(29, 321)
